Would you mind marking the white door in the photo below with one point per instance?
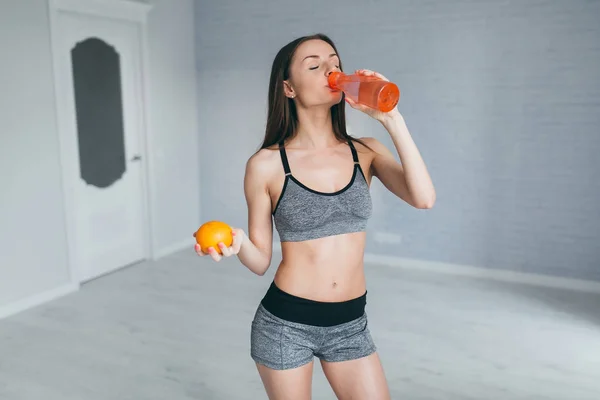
(100, 96)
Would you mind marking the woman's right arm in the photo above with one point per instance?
(257, 247)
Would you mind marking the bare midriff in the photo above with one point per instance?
(328, 269)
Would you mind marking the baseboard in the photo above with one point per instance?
(174, 248)
(479, 272)
(36, 300)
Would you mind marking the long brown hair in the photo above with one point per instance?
(282, 117)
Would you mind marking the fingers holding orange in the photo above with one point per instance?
(225, 250)
(215, 255)
(216, 238)
(199, 251)
(213, 232)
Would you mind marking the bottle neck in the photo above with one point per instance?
(333, 79)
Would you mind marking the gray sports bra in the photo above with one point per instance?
(302, 213)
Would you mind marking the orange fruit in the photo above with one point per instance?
(213, 232)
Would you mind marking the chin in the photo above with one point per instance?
(330, 100)
(335, 98)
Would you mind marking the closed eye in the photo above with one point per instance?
(317, 57)
(315, 67)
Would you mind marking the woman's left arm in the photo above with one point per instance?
(409, 179)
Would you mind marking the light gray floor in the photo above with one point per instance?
(179, 329)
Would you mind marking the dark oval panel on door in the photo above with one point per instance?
(99, 112)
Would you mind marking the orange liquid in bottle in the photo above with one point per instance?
(367, 90)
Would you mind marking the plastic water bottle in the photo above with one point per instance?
(370, 91)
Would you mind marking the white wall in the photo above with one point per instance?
(174, 121)
(33, 247)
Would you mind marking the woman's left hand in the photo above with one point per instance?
(378, 115)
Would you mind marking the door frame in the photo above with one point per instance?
(136, 13)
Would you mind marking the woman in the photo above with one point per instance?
(313, 180)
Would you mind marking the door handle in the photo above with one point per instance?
(137, 157)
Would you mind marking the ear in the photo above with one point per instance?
(288, 90)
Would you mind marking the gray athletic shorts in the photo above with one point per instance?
(280, 344)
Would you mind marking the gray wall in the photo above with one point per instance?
(33, 247)
(502, 99)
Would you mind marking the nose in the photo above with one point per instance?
(331, 69)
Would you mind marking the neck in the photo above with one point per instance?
(315, 129)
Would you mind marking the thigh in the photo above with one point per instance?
(279, 344)
(287, 384)
(360, 378)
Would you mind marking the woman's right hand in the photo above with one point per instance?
(234, 249)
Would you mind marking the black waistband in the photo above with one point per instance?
(311, 312)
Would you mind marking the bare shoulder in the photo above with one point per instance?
(262, 167)
(371, 142)
(374, 148)
(262, 162)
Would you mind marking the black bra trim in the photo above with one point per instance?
(342, 190)
(284, 160)
(285, 182)
(353, 149)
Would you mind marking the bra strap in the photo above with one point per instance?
(284, 160)
(354, 153)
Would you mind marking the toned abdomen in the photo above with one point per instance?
(326, 269)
